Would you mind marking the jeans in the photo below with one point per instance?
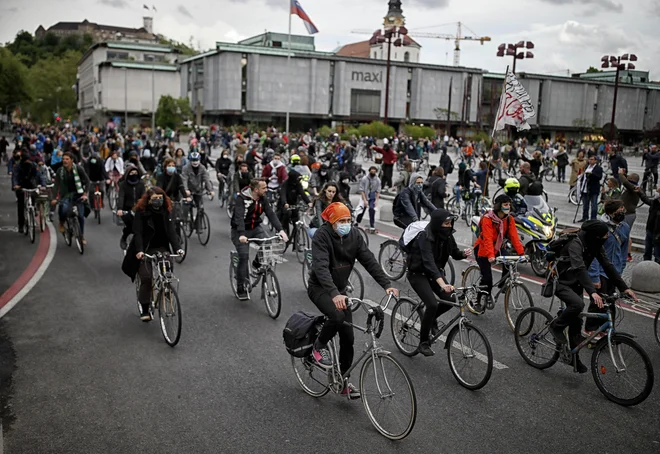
(650, 248)
(66, 205)
(427, 289)
(561, 173)
(572, 297)
(372, 210)
(243, 250)
(334, 325)
(593, 200)
(311, 231)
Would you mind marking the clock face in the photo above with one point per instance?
(391, 18)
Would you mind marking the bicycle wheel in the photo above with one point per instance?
(538, 261)
(656, 326)
(450, 272)
(68, 239)
(470, 356)
(137, 292)
(169, 313)
(78, 236)
(392, 260)
(189, 223)
(388, 396)
(469, 208)
(363, 234)
(312, 378)
(533, 340)
(31, 226)
(183, 241)
(301, 243)
(517, 298)
(549, 175)
(453, 207)
(203, 228)
(572, 196)
(355, 287)
(405, 323)
(26, 227)
(233, 269)
(112, 197)
(305, 272)
(633, 382)
(272, 294)
(471, 278)
(499, 190)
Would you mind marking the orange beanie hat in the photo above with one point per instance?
(335, 212)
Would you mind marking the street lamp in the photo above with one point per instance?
(392, 36)
(610, 61)
(511, 50)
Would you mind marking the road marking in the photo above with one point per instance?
(33, 273)
(481, 357)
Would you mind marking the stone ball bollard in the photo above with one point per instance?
(646, 277)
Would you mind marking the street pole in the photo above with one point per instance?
(153, 100)
(125, 99)
(514, 64)
(288, 71)
(451, 82)
(616, 90)
(387, 81)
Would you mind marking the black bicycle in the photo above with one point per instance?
(299, 239)
(198, 221)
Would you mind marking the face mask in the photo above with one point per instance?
(506, 210)
(133, 178)
(195, 163)
(445, 232)
(372, 174)
(171, 170)
(343, 229)
(157, 204)
(275, 162)
(224, 156)
(93, 161)
(344, 181)
(619, 217)
(323, 173)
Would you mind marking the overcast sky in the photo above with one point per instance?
(570, 35)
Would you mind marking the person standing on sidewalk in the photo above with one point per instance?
(389, 159)
(369, 189)
(590, 189)
(652, 239)
(630, 198)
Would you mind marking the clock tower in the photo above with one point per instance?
(394, 16)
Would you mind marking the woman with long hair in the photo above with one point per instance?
(180, 159)
(153, 231)
(329, 194)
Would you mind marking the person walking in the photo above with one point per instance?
(590, 189)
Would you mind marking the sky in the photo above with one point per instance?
(569, 35)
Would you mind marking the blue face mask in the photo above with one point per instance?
(506, 210)
(171, 170)
(343, 229)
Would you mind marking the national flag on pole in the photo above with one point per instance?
(145, 7)
(154, 8)
(300, 12)
(515, 105)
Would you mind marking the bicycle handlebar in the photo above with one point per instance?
(372, 311)
(30, 190)
(511, 259)
(263, 240)
(151, 257)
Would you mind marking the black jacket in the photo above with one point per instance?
(446, 164)
(247, 213)
(429, 255)
(438, 192)
(96, 171)
(618, 162)
(143, 231)
(333, 258)
(172, 185)
(222, 165)
(129, 194)
(291, 189)
(593, 180)
(530, 185)
(410, 204)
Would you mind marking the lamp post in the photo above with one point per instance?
(125, 99)
(608, 62)
(392, 36)
(511, 50)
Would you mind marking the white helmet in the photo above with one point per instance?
(385, 141)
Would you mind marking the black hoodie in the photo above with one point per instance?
(291, 189)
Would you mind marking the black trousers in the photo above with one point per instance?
(572, 297)
(607, 288)
(334, 325)
(288, 218)
(127, 218)
(387, 175)
(146, 277)
(485, 267)
(427, 289)
(20, 205)
(403, 221)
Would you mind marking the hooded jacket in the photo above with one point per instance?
(247, 213)
(431, 248)
(411, 201)
(129, 194)
(488, 237)
(96, 170)
(196, 179)
(333, 258)
(291, 189)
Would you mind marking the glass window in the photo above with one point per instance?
(277, 43)
(365, 102)
(406, 56)
(154, 57)
(114, 55)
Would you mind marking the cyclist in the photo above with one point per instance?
(241, 179)
(275, 173)
(251, 204)
(71, 183)
(409, 203)
(494, 227)
(171, 181)
(154, 232)
(369, 189)
(222, 169)
(196, 179)
(114, 165)
(329, 194)
(131, 190)
(429, 245)
(575, 258)
(319, 177)
(652, 159)
(25, 175)
(512, 189)
(291, 192)
(96, 172)
(335, 249)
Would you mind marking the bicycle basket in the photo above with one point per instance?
(270, 252)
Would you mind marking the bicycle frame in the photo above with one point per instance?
(512, 278)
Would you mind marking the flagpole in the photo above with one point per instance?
(288, 70)
(500, 104)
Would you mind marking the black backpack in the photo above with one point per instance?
(300, 332)
(557, 245)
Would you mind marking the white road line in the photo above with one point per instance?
(496, 364)
(37, 276)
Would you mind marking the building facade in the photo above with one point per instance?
(126, 80)
(101, 33)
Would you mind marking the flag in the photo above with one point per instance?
(298, 11)
(145, 7)
(154, 8)
(515, 105)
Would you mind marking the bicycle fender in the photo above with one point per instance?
(624, 334)
(449, 336)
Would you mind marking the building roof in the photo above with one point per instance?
(76, 25)
(127, 45)
(148, 66)
(360, 49)
(298, 42)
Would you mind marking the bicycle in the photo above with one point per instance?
(467, 346)
(223, 190)
(376, 385)
(30, 227)
(355, 287)
(43, 206)
(72, 228)
(517, 296)
(392, 260)
(608, 360)
(97, 205)
(549, 171)
(656, 327)
(648, 183)
(113, 190)
(269, 254)
(198, 222)
(299, 239)
(179, 226)
(167, 298)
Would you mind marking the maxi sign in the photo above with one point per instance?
(375, 77)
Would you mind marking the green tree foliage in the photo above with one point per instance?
(419, 132)
(172, 112)
(591, 69)
(325, 131)
(51, 80)
(13, 80)
(376, 129)
(30, 50)
(183, 48)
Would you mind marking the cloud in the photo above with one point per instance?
(184, 11)
(655, 7)
(609, 5)
(426, 3)
(115, 3)
(276, 4)
(604, 39)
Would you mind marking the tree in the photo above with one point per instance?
(172, 112)
(13, 80)
(441, 114)
(591, 69)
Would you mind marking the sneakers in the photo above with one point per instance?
(242, 293)
(558, 334)
(61, 228)
(322, 357)
(145, 314)
(83, 241)
(351, 391)
(373, 230)
(425, 349)
(122, 243)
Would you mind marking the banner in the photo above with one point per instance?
(515, 105)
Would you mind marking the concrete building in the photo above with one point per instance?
(101, 32)
(120, 79)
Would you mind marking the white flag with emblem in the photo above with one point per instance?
(515, 105)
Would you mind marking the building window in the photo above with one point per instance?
(277, 43)
(365, 102)
(100, 99)
(154, 57)
(113, 55)
(244, 81)
(406, 56)
(375, 54)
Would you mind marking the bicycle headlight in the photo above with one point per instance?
(548, 231)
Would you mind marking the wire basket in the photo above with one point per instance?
(270, 252)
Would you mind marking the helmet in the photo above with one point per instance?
(194, 156)
(385, 141)
(316, 166)
(295, 159)
(511, 183)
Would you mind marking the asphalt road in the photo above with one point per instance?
(81, 374)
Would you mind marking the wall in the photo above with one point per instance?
(431, 90)
(653, 115)
(227, 83)
(139, 88)
(629, 107)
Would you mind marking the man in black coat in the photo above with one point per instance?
(590, 188)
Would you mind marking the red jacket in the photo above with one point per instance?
(488, 237)
(389, 156)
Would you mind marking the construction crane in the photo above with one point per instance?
(457, 38)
